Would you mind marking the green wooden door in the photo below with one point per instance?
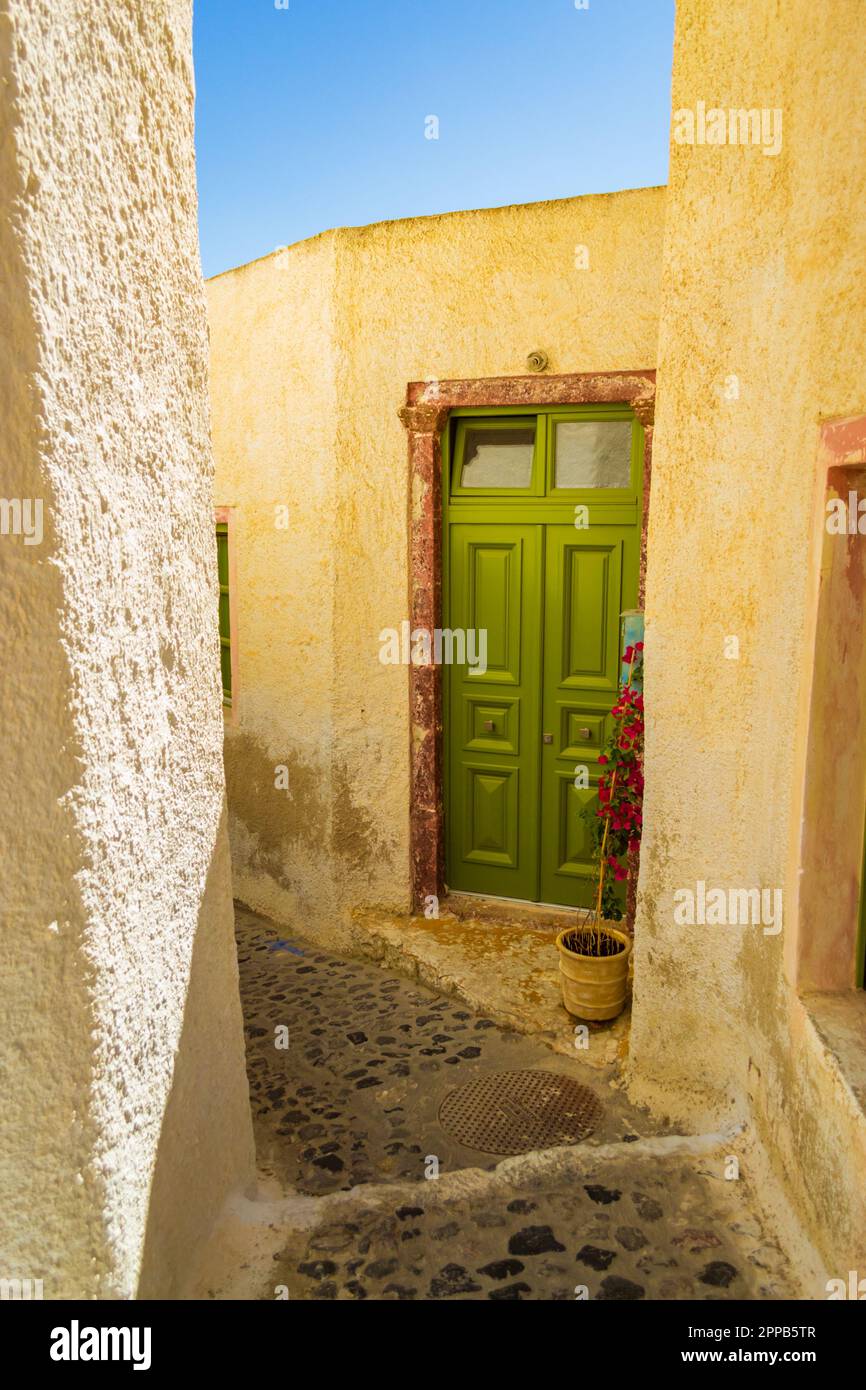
(542, 537)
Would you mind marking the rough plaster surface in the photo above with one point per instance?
(763, 280)
(312, 349)
(125, 1110)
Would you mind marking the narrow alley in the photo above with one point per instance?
(359, 1131)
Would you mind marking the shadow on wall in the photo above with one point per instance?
(276, 818)
(296, 830)
(209, 1096)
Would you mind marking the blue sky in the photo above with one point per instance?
(314, 116)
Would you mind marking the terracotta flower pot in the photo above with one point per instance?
(594, 987)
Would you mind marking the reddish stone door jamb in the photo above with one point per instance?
(425, 416)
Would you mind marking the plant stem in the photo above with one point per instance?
(603, 862)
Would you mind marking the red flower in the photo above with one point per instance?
(621, 781)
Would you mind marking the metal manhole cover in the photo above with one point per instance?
(511, 1112)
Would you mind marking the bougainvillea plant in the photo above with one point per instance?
(617, 821)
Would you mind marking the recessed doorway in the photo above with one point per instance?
(541, 547)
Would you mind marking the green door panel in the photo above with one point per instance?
(222, 538)
(591, 576)
(584, 590)
(490, 827)
(493, 714)
(860, 949)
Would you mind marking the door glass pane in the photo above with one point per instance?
(593, 453)
(498, 458)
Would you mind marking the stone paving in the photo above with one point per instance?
(346, 1122)
(355, 1096)
(670, 1228)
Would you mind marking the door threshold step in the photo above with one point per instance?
(480, 908)
(505, 970)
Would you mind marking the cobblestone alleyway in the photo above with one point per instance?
(347, 1122)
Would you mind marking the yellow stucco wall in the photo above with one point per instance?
(763, 282)
(273, 374)
(311, 352)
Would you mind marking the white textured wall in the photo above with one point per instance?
(126, 1115)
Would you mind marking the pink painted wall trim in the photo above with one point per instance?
(834, 796)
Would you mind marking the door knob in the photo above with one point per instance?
(547, 738)
(489, 726)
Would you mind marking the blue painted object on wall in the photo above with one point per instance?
(630, 632)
